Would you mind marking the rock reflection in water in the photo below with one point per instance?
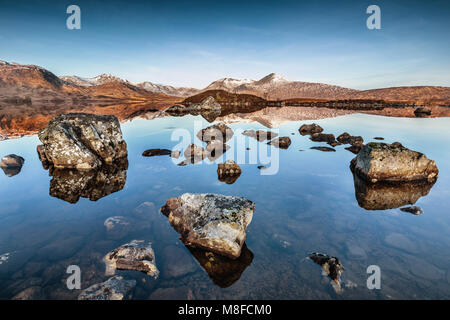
(70, 184)
(223, 271)
(383, 196)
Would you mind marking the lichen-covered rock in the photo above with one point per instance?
(281, 142)
(210, 221)
(137, 255)
(260, 135)
(385, 195)
(215, 132)
(228, 171)
(71, 184)
(81, 141)
(115, 288)
(310, 129)
(394, 163)
(11, 164)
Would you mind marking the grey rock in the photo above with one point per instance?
(115, 288)
(137, 255)
(156, 152)
(211, 221)
(324, 149)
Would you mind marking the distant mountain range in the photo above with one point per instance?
(19, 81)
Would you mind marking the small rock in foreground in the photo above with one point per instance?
(211, 221)
(260, 135)
(115, 288)
(137, 255)
(217, 131)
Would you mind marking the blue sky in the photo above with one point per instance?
(191, 43)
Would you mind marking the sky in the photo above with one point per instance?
(192, 43)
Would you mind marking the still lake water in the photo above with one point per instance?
(308, 206)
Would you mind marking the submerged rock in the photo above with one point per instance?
(260, 135)
(211, 221)
(137, 255)
(378, 138)
(4, 258)
(156, 152)
(223, 271)
(11, 164)
(31, 293)
(281, 142)
(71, 184)
(413, 210)
(81, 141)
(215, 132)
(308, 129)
(325, 149)
(331, 265)
(385, 195)
(228, 171)
(112, 222)
(115, 288)
(394, 163)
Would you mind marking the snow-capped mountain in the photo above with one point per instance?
(274, 86)
(89, 82)
(228, 84)
(168, 90)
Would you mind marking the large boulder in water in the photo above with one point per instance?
(393, 163)
(308, 129)
(81, 141)
(211, 221)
